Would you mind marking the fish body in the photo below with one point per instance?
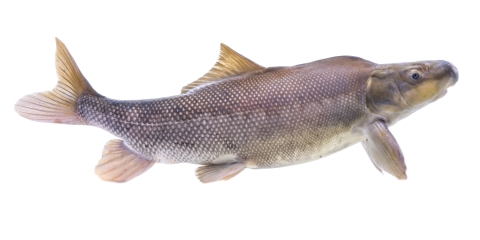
(242, 115)
(278, 117)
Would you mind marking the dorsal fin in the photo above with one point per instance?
(230, 63)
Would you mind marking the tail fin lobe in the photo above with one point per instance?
(60, 104)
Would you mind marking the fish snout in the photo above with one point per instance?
(450, 71)
(454, 74)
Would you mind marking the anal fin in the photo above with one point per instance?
(212, 173)
(119, 163)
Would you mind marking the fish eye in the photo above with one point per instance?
(415, 75)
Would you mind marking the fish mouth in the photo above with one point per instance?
(454, 75)
(441, 94)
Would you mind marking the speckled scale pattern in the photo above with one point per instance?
(280, 117)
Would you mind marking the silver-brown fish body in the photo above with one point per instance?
(242, 115)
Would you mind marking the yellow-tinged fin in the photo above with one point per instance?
(212, 173)
(120, 164)
(384, 151)
(230, 63)
(58, 105)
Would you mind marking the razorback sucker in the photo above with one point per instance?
(242, 115)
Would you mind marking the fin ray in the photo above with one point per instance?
(120, 164)
(384, 151)
(58, 105)
(230, 63)
(212, 173)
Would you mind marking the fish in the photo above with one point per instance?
(242, 115)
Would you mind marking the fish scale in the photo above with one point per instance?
(247, 117)
(241, 115)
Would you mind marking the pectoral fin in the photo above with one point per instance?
(383, 150)
(119, 163)
(212, 173)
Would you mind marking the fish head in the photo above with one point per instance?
(397, 90)
(424, 82)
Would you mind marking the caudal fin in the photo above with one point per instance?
(60, 104)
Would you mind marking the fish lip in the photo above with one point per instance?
(441, 94)
(453, 74)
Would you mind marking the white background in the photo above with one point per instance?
(144, 50)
